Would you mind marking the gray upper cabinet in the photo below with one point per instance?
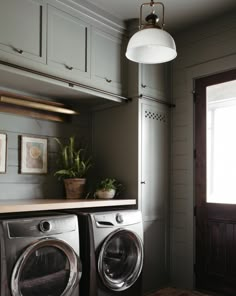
(154, 80)
(68, 44)
(23, 29)
(59, 39)
(107, 61)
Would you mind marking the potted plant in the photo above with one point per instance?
(108, 188)
(73, 167)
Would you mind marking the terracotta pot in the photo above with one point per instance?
(105, 194)
(74, 187)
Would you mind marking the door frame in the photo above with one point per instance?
(209, 215)
(192, 73)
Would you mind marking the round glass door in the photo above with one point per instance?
(48, 267)
(120, 260)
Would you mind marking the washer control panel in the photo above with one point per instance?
(39, 226)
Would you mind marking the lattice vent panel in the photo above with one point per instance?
(159, 116)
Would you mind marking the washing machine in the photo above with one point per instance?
(40, 256)
(111, 253)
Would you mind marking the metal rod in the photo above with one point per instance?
(170, 105)
(69, 82)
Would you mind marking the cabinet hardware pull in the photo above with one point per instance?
(143, 182)
(108, 80)
(69, 67)
(143, 85)
(20, 51)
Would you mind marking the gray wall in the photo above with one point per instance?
(14, 185)
(204, 50)
(115, 145)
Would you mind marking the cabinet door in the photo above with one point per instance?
(155, 81)
(68, 43)
(23, 29)
(154, 193)
(106, 61)
(154, 160)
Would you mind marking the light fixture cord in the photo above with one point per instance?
(152, 4)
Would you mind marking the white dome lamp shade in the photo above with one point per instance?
(151, 44)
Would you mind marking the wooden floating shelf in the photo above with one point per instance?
(17, 206)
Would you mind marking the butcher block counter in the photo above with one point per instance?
(17, 206)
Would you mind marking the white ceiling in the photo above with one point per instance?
(178, 13)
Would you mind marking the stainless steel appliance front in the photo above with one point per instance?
(40, 256)
(115, 260)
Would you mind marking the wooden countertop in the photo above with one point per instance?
(14, 206)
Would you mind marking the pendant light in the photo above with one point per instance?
(151, 44)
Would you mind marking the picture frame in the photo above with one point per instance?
(3, 153)
(34, 155)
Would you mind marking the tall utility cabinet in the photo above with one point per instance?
(131, 143)
(153, 191)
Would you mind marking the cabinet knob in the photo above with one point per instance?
(143, 182)
(108, 80)
(20, 51)
(69, 67)
(143, 85)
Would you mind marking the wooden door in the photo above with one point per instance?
(215, 178)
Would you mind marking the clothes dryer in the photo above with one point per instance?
(40, 256)
(111, 253)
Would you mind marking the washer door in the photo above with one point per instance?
(47, 267)
(120, 260)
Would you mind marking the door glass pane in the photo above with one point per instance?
(221, 143)
(120, 257)
(46, 272)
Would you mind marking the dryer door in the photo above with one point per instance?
(47, 267)
(120, 260)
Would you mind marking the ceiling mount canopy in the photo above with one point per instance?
(151, 44)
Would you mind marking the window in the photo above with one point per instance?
(221, 142)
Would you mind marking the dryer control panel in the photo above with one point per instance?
(122, 218)
(37, 227)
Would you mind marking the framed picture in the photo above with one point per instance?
(3, 152)
(34, 155)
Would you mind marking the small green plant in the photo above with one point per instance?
(72, 160)
(108, 184)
